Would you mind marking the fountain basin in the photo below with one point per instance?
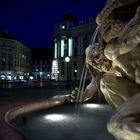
(88, 122)
(61, 122)
(11, 112)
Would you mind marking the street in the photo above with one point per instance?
(21, 92)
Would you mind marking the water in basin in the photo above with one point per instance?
(62, 123)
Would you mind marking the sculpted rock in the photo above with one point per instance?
(121, 89)
(116, 66)
(115, 15)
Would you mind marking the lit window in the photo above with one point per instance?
(55, 53)
(62, 48)
(70, 43)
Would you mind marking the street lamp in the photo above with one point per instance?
(75, 74)
(67, 60)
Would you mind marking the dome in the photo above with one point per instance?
(69, 20)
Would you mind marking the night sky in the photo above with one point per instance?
(31, 21)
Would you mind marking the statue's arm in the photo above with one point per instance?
(90, 89)
(93, 86)
(87, 94)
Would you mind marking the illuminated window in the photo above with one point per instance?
(70, 43)
(54, 69)
(62, 48)
(55, 50)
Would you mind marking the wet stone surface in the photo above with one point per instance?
(68, 122)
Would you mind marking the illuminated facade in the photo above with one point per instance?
(41, 69)
(70, 39)
(15, 58)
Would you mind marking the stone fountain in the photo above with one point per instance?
(116, 66)
(115, 70)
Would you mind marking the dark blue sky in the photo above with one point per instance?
(32, 20)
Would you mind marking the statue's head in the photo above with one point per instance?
(115, 15)
(95, 57)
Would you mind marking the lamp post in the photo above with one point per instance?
(67, 60)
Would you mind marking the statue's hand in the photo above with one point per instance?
(75, 95)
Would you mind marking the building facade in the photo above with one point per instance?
(15, 58)
(70, 39)
(42, 61)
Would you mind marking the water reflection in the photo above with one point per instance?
(92, 106)
(56, 117)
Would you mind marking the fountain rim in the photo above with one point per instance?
(10, 112)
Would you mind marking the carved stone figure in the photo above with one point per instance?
(116, 67)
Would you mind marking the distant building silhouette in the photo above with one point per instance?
(42, 61)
